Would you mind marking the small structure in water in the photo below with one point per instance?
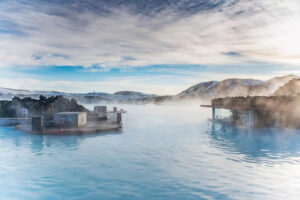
(101, 111)
(37, 125)
(57, 115)
(257, 111)
(70, 119)
(74, 123)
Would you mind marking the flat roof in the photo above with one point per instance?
(206, 106)
(69, 113)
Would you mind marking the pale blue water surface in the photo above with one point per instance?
(163, 152)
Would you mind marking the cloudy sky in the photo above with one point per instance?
(152, 46)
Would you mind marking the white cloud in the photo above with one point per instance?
(265, 31)
(248, 31)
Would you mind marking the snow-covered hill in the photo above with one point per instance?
(205, 90)
(7, 93)
(277, 82)
(14, 91)
(291, 88)
(235, 87)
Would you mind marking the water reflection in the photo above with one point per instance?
(164, 152)
(37, 143)
(255, 143)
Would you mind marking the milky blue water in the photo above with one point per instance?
(163, 152)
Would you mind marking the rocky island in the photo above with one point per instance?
(57, 115)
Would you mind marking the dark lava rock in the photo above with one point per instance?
(39, 107)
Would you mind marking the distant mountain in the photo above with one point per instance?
(199, 90)
(27, 92)
(133, 93)
(12, 91)
(8, 93)
(277, 82)
(285, 85)
(228, 87)
(128, 93)
(292, 88)
(121, 96)
(234, 87)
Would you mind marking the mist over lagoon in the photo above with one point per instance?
(149, 99)
(162, 152)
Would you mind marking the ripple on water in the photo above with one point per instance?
(163, 152)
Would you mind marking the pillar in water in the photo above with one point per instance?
(250, 115)
(213, 113)
(115, 109)
(119, 118)
(37, 124)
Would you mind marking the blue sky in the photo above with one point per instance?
(151, 46)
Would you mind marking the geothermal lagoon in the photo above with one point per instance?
(162, 152)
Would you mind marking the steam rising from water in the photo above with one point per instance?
(163, 152)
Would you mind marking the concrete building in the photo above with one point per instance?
(37, 124)
(70, 119)
(115, 109)
(240, 117)
(101, 111)
(115, 117)
(260, 111)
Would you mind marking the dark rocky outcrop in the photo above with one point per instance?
(38, 107)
